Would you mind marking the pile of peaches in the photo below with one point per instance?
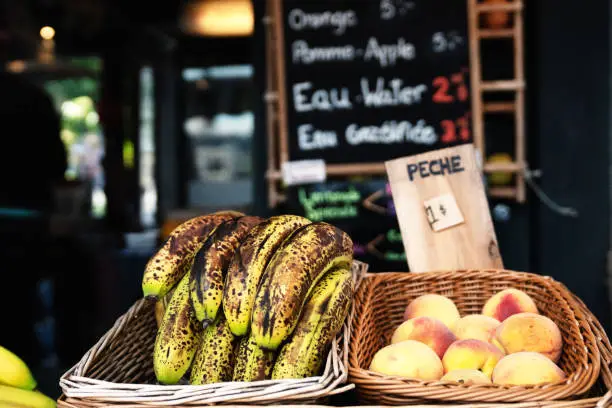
(508, 343)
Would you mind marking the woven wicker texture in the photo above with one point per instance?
(119, 370)
(380, 304)
(600, 400)
(585, 403)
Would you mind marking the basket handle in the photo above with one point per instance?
(605, 401)
(359, 270)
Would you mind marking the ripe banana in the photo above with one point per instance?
(302, 260)
(322, 318)
(207, 276)
(14, 371)
(161, 305)
(248, 265)
(177, 338)
(17, 397)
(252, 362)
(215, 355)
(167, 266)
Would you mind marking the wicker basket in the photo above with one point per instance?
(602, 399)
(119, 370)
(380, 303)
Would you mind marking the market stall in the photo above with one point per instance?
(377, 278)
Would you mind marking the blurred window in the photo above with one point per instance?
(148, 199)
(219, 126)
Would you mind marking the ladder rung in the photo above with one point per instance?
(502, 167)
(495, 107)
(511, 85)
(497, 33)
(488, 7)
(502, 192)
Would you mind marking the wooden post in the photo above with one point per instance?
(281, 87)
(475, 77)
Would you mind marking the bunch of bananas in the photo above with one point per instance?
(241, 298)
(17, 385)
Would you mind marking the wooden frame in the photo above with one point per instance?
(276, 100)
(517, 85)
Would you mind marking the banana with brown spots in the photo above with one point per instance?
(252, 362)
(302, 260)
(207, 276)
(172, 260)
(214, 358)
(322, 318)
(161, 305)
(248, 265)
(177, 338)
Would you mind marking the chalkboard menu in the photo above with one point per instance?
(362, 208)
(370, 80)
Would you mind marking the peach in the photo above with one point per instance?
(529, 332)
(465, 376)
(475, 326)
(427, 330)
(410, 359)
(433, 305)
(526, 368)
(508, 302)
(471, 354)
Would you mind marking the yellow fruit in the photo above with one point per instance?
(508, 302)
(529, 332)
(248, 265)
(433, 305)
(252, 362)
(471, 355)
(466, 376)
(475, 326)
(17, 397)
(207, 275)
(14, 371)
(526, 368)
(409, 359)
(177, 338)
(166, 268)
(427, 330)
(214, 360)
(295, 268)
(322, 318)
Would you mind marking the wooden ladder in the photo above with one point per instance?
(516, 85)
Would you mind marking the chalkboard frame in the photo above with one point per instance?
(277, 118)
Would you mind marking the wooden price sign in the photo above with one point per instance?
(443, 211)
(359, 82)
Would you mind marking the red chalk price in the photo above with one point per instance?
(449, 89)
(456, 130)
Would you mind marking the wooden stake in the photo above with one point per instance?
(519, 74)
(280, 75)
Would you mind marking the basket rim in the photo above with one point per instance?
(598, 402)
(369, 382)
(333, 380)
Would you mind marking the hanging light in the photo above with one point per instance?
(218, 18)
(46, 49)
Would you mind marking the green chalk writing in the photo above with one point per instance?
(327, 205)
